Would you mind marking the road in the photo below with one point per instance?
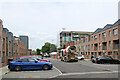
(85, 69)
(81, 69)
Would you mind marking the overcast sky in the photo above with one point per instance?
(41, 20)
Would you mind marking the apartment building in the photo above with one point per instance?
(1, 30)
(70, 43)
(21, 48)
(10, 46)
(67, 36)
(104, 41)
(25, 40)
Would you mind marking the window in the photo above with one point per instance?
(109, 33)
(23, 60)
(10, 45)
(99, 36)
(104, 35)
(3, 43)
(31, 60)
(88, 47)
(79, 48)
(109, 53)
(92, 38)
(95, 37)
(109, 43)
(88, 38)
(115, 52)
(115, 31)
(99, 45)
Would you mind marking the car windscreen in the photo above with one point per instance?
(36, 59)
(108, 58)
(80, 56)
(39, 57)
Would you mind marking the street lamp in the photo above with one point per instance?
(50, 45)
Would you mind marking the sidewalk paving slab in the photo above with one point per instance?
(3, 70)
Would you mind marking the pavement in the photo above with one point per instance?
(33, 74)
(3, 71)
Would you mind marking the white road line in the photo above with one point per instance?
(87, 73)
(58, 71)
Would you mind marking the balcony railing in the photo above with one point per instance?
(96, 49)
(116, 47)
(104, 48)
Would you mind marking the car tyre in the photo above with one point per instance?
(102, 62)
(93, 61)
(76, 60)
(17, 68)
(46, 67)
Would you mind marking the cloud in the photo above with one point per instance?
(59, 1)
(41, 21)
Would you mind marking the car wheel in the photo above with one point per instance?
(45, 67)
(93, 61)
(98, 62)
(76, 60)
(102, 62)
(17, 68)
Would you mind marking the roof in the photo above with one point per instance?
(108, 26)
(98, 30)
(85, 32)
(116, 23)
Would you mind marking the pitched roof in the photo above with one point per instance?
(116, 23)
(107, 27)
(98, 30)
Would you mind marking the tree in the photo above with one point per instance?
(48, 48)
(38, 51)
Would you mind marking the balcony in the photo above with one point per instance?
(76, 36)
(116, 44)
(96, 47)
(104, 46)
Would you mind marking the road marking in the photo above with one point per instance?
(58, 71)
(28, 77)
(67, 74)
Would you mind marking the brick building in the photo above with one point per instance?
(70, 43)
(10, 46)
(1, 30)
(29, 52)
(21, 48)
(104, 41)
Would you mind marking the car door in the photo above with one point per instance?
(33, 64)
(23, 63)
(110, 60)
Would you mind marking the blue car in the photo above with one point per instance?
(28, 64)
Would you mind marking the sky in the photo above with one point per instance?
(42, 20)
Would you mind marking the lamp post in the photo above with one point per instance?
(50, 46)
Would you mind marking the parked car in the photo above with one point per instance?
(39, 58)
(42, 60)
(105, 59)
(81, 57)
(28, 64)
(94, 60)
